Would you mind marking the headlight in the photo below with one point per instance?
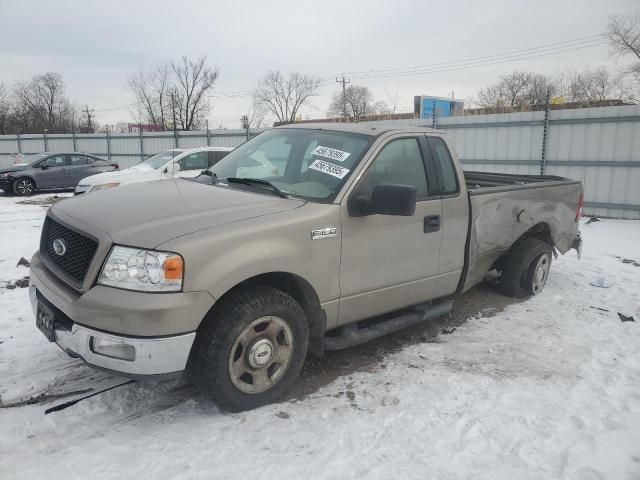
(104, 186)
(143, 270)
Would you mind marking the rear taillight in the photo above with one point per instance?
(115, 165)
(580, 207)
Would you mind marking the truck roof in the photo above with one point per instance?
(364, 128)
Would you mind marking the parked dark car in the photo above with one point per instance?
(51, 171)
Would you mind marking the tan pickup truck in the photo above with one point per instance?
(341, 233)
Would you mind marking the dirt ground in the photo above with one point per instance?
(482, 300)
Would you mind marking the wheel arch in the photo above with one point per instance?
(301, 291)
(540, 231)
(15, 179)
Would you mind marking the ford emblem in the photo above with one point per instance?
(59, 247)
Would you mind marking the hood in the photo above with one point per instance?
(132, 174)
(16, 167)
(148, 214)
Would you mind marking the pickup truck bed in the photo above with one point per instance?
(498, 220)
(479, 182)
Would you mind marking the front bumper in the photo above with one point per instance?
(4, 184)
(160, 328)
(152, 356)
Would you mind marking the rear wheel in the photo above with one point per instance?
(526, 269)
(250, 349)
(23, 186)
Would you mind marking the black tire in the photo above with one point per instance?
(23, 186)
(210, 362)
(518, 277)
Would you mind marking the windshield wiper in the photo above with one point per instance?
(258, 182)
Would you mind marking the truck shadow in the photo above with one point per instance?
(482, 300)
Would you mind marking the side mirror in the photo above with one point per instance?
(385, 200)
(176, 167)
(44, 167)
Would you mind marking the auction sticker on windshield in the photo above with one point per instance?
(330, 153)
(329, 168)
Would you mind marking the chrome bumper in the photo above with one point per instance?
(577, 244)
(152, 356)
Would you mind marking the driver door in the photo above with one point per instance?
(390, 262)
(55, 173)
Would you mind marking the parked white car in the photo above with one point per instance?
(172, 163)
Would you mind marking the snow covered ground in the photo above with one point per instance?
(547, 388)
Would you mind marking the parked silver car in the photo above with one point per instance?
(51, 171)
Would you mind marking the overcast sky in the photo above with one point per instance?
(96, 44)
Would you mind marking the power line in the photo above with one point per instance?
(565, 43)
(467, 64)
(115, 108)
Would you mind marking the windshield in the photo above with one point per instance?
(312, 164)
(159, 159)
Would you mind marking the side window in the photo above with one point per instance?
(398, 163)
(447, 178)
(79, 160)
(195, 161)
(55, 161)
(215, 157)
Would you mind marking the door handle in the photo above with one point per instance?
(431, 223)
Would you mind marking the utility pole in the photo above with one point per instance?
(344, 82)
(90, 115)
(245, 124)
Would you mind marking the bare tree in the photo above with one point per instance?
(516, 90)
(5, 110)
(592, 86)
(393, 101)
(193, 80)
(169, 87)
(624, 38)
(540, 89)
(284, 97)
(624, 35)
(255, 116)
(151, 89)
(514, 87)
(491, 96)
(42, 103)
(382, 108)
(356, 103)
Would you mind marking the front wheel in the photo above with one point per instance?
(250, 349)
(526, 269)
(23, 186)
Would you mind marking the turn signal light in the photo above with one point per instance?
(173, 268)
